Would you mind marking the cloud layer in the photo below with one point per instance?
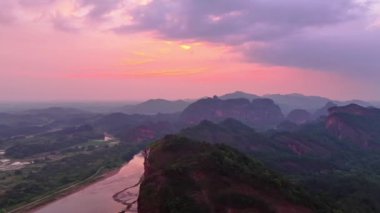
(240, 20)
(327, 35)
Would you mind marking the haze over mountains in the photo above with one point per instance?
(155, 106)
(189, 106)
(287, 102)
(320, 157)
(157, 116)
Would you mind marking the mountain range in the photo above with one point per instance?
(286, 102)
(155, 106)
(222, 154)
(336, 157)
(260, 113)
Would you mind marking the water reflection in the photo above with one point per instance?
(97, 198)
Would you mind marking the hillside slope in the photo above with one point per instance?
(186, 176)
(337, 156)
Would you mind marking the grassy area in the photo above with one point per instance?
(67, 189)
(53, 176)
(9, 179)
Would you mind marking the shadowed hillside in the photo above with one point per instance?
(337, 156)
(186, 176)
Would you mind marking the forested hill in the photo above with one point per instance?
(182, 175)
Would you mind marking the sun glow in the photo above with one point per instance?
(186, 47)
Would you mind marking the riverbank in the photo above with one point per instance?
(129, 196)
(64, 191)
(98, 197)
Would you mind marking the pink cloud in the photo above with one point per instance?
(55, 49)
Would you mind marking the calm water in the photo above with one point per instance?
(97, 198)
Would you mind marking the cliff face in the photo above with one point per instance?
(354, 123)
(259, 113)
(187, 176)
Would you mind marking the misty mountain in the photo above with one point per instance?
(239, 94)
(29, 122)
(357, 102)
(155, 106)
(289, 102)
(260, 113)
(324, 111)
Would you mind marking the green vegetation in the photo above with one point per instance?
(320, 167)
(189, 176)
(338, 171)
(241, 201)
(66, 149)
(49, 142)
(64, 172)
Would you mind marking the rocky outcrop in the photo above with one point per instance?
(360, 125)
(259, 113)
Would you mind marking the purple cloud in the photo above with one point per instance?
(344, 50)
(64, 24)
(100, 8)
(35, 3)
(6, 15)
(239, 20)
(330, 35)
(324, 34)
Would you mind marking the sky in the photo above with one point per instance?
(86, 50)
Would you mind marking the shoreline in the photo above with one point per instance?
(127, 203)
(61, 193)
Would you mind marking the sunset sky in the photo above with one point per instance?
(81, 50)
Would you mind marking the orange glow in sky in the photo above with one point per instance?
(53, 52)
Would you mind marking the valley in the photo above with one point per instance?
(324, 163)
(189, 106)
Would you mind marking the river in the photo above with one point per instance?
(97, 197)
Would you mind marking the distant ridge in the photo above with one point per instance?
(239, 94)
(154, 106)
(289, 102)
(261, 113)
